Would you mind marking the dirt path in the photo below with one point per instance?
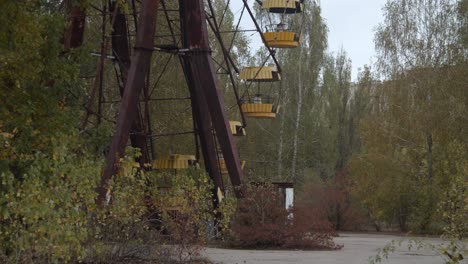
(357, 250)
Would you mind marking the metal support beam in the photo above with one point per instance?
(73, 36)
(200, 67)
(201, 114)
(121, 51)
(139, 67)
(99, 69)
(202, 118)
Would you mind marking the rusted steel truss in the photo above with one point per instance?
(202, 118)
(139, 67)
(208, 109)
(198, 64)
(121, 51)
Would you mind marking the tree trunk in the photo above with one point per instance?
(281, 137)
(298, 118)
(429, 157)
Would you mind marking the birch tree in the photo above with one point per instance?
(305, 77)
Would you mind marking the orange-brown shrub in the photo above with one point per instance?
(310, 229)
(262, 222)
(332, 198)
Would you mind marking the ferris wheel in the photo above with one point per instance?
(140, 41)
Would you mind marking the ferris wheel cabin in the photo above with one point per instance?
(260, 106)
(280, 36)
(260, 74)
(283, 6)
(260, 110)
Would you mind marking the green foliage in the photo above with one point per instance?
(121, 228)
(412, 139)
(409, 155)
(454, 207)
(48, 180)
(226, 210)
(38, 87)
(45, 215)
(428, 38)
(184, 206)
(189, 194)
(50, 216)
(454, 211)
(126, 198)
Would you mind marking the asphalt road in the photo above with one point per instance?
(357, 250)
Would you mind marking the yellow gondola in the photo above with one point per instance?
(237, 129)
(260, 110)
(260, 74)
(259, 107)
(282, 39)
(175, 161)
(283, 6)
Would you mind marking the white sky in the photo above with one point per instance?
(351, 25)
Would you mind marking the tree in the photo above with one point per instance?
(44, 165)
(415, 115)
(418, 34)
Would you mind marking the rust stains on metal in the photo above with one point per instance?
(205, 82)
(121, 51)
(140, 65)
(201, 115)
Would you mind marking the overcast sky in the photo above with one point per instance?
(351, 25)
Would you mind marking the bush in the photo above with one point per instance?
(152, 222)
(50, 216)
(184, 209)
(332, 199)
(44, 214)
(454, 212)
(261, 222)
(310, 229)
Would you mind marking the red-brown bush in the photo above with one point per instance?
(332, 199)
(262, 222)
(310, 229)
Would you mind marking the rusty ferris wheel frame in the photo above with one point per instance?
(192, 47)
